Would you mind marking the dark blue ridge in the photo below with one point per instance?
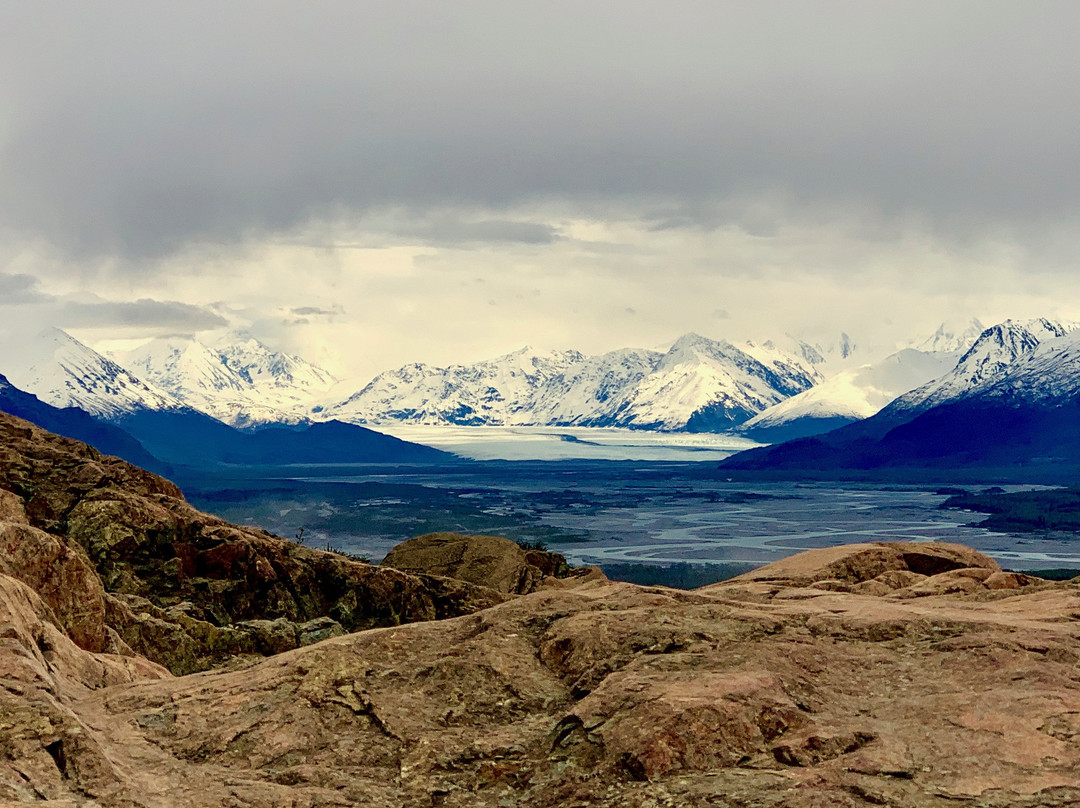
(71, 422)
(965, 434)
(190, 438)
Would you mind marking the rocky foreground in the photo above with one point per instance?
(878, 674)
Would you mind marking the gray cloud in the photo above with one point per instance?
(449, 232)
(144, 314)
(443, 228)
(962, 113)
(18, 289)
(315, 311)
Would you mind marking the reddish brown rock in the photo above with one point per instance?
(762, 691)
(1010, 580)
(856, 563)
(62, 576)
(602, 695)
(12, 508)
(490, 561)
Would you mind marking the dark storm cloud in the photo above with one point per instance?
(154, 314)
(134, 128)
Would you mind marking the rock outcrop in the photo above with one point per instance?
(120, 557)
(899, 675)
(753, 692)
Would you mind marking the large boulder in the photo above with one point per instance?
(852, 564)
(489, 561)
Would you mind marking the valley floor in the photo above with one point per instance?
(607, 513)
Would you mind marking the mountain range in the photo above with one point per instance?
(62, 385)
(188, 402)
(699, 384)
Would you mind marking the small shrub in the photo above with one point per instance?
(537, 544)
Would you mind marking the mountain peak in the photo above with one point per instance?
(234, 337)
(690, 338)
(693, 344)
(988, 360)
(952, 337)
(238, 379)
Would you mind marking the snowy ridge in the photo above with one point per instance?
(63, 372)
(591, 391)
(489, 392)
(985, 363)
(237, 380)
(266, 369)
(698, 384)
(1047, 376)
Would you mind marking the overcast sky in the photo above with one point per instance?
(373, 183)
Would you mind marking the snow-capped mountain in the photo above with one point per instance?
(281, 375)
(63, 372)
(698, 384)
(586, 392)
(952, 338)
(849, 395)
(1011, 405)
(495, 391)
(829, 356)
(237, 379)
(947, 364)
(702, 385)
(986, 362)
(854, 393)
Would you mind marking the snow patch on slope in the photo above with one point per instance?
(855, 394)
